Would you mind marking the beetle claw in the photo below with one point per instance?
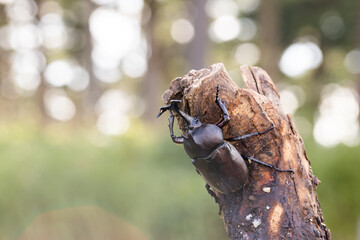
(160, 112)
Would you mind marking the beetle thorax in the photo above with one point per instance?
(201, 141)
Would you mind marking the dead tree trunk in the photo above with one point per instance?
(272, 205)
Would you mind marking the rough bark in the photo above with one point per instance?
(272, 205)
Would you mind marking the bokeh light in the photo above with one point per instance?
(299, 58)
(108, 28)
(182, 31)
(28, 79)
(292, 97)
(80, 79)
(21, 10)
(113, 109)
(58, 105)
(108, 75)
(338, 114)
(352, 61)
(225, 28)
(104, 2)
(219, 8)
(25, 36)
(332, 25)
(132, 7)
(28, 59)
(135, 64)
(6, 1)
(247, 53)
(248, 29)
(117, 41)
(289, 101)
(59, 73)
(112, 123)
(53, 30)
(248, 6)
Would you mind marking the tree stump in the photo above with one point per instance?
(272, 205)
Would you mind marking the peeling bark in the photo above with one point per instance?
(272, 205)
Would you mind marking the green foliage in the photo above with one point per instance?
(338, 170)
(144, 180)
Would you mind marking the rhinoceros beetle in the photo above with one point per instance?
(216, 160)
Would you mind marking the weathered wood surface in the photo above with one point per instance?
(272, 205)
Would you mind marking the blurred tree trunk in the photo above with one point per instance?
(95, 88)
(197, 48)
(357, 45)
(270, 37)
(155, 75)
(40, 93)
(272, 204)
(3, 53)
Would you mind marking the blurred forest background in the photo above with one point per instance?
(81, 82)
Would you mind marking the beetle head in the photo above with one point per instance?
(191, 122)
(201, 141)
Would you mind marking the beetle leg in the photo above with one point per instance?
(249, 135)
(172, 105)
(191, 121)
(211, 192)
(175, 139)
(269, 165)
(226, 117)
